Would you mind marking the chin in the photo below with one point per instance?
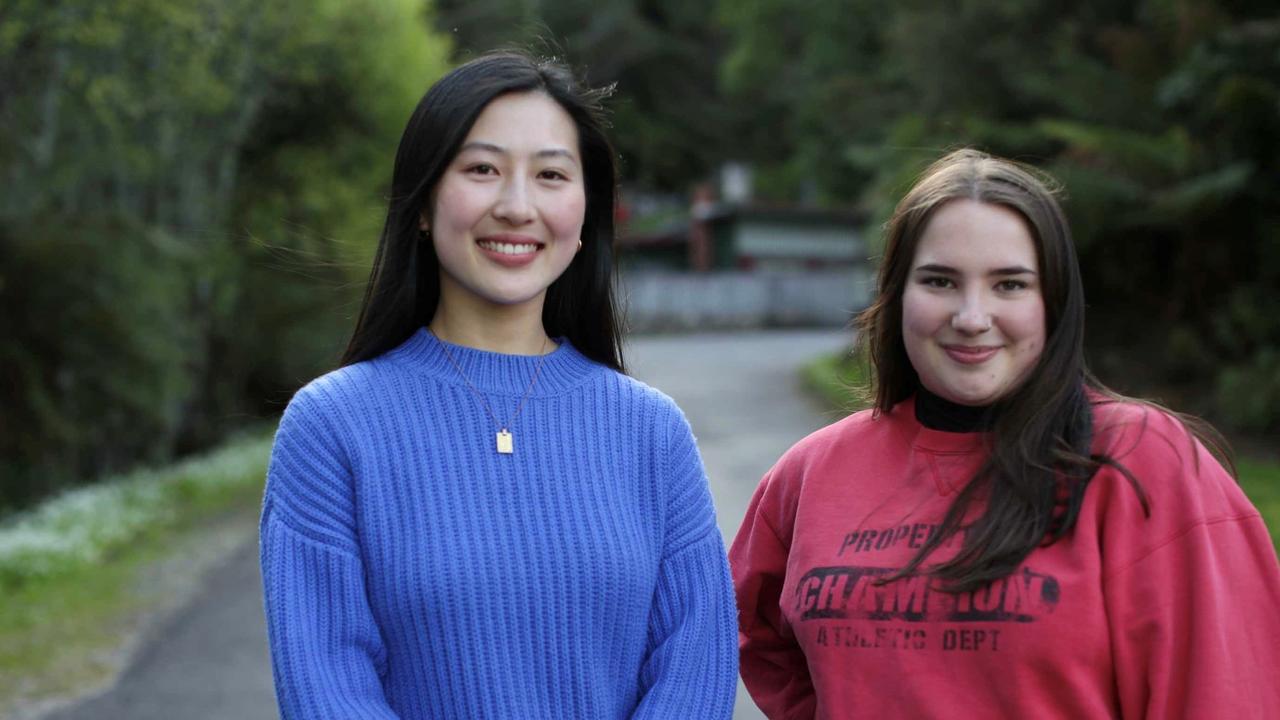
(511, 295)
(512, 300)
(970, 397)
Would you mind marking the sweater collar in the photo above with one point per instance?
(938, 413)
(491, 372)
(930, 439)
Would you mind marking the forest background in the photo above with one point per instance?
(192, 189)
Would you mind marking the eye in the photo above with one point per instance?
(481, 169)
(550, 174)
(1011, 285)
(937, 281)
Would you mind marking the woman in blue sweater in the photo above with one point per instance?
(479, 515)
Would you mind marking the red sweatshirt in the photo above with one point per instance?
(1176, 615)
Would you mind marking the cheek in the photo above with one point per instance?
(919, 323)
(1028, 327)
(922, 315)
(565, 216)
(456, 208)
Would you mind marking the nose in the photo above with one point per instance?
(972, 318)
(513, 205)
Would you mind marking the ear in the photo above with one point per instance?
(424, 223)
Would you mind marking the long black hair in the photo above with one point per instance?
(404, 285)
(1040, 462)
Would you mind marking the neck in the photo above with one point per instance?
(937, 413)
(510, 330)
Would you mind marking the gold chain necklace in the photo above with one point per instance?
(505, 442)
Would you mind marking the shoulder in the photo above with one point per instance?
(1144, 434)
(636, 390)
(349, 390)
(351, 382)
(854, 431)
(825, 452)
(638, 399)
(323, 414)
(1160, 471)
(1116, 422)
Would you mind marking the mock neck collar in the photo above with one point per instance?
(918, 435)
(492, 372)
(938, 413)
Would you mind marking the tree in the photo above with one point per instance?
(160, 159)
(671, 126)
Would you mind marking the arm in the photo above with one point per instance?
(773, 665)
(1195, 612)
(326, 649)
(1195, 628)
(691, 669)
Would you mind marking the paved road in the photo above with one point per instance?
(741, 394)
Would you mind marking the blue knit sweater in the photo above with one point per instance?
(410, 571)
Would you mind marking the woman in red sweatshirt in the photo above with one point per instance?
(1000, 535)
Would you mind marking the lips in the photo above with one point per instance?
(971, 354)
(511, 251)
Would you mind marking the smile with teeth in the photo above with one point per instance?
(508, 248)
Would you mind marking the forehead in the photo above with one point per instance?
(525, 120)
(973, 234)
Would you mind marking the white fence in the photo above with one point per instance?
(659, 300)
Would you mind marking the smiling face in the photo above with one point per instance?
(506, 216)
(973, 319)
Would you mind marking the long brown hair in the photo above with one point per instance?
(1040, 462)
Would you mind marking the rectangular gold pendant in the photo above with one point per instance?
(505, 446)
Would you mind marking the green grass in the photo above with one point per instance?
(837, 379)
(57, 634)
(76, 572)
(1261, 482)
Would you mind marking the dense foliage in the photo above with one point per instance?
(672, 126)
(186, 184)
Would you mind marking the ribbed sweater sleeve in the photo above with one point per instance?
(327, 652)
(691, 668)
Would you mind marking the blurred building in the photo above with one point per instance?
(720, 259)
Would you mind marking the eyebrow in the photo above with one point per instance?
(947, 270)
(490, 147)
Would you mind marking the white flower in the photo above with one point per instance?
(80, 526)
